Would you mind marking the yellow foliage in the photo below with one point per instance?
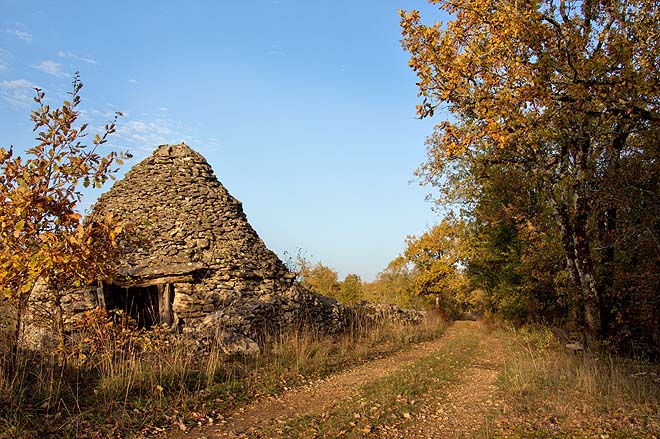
(563, 95)
(508, 64)
(42, 235)
(319, 278)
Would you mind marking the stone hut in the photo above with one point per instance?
(189, 258)
(194, 252)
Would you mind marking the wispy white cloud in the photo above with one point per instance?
(276, 49)
(4, 56)
(18, 33)
(141, 133)
(90, 114)
(51, 67)
(71, 55)
(18, 92)
(133, 81)
(142, 136)
(17, 83)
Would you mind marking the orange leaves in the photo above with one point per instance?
(74, 216)
(19, 227)
(41, 232)
(477, 63)
(508, 70)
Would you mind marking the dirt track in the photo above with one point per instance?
(457, 410)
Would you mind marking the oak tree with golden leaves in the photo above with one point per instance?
(567, 91)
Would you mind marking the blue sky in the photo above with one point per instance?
(305, 109)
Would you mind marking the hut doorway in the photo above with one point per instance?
(149, 305)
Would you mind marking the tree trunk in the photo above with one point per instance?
(562, 218)
(584, 261)
(12, 365)
(607, 229)
(571, 213)
(607, 223)
(59, 329)
(588, 285)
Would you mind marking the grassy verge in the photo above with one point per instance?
(550, 393)
(387, 403)
(122, 382)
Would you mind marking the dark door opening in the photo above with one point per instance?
(149, 305)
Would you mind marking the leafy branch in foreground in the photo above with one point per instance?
(43, 239)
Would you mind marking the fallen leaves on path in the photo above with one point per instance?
(446, 388)
(309, 408)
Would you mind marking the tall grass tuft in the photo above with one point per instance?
(577, 390)
(117, 379)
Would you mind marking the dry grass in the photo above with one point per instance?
(116, 380)
(553, 393)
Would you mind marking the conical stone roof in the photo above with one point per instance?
(182, 216)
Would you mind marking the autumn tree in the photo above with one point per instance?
(350, 289)
(435, 258)
(44, 240)
(394, 285)
(567, 93)
(510, 247)
(428, 273)
(319, 278)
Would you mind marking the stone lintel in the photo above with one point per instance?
(141, 283)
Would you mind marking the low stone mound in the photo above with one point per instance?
(296, 309)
